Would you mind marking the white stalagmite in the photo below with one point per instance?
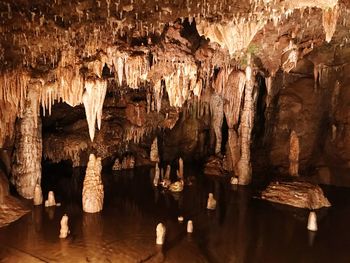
(189, 226)
(93, 98)
(38, 195)
(93, 193)
(247, 120)
(64, 231)
(160, 234)
(50, 199)
(27, 158)
(154, 156)
(211, 203)
(294, 154)
(312, 221)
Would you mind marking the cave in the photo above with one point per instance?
(174, 131)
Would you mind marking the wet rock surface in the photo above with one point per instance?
(297, 194)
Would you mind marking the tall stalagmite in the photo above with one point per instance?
(247, 120)
(93, 193)
(28, 146)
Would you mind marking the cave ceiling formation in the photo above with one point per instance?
(78, 51)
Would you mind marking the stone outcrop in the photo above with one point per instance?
(298, 194)
(93, 193)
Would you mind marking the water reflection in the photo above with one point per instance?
(241, 229)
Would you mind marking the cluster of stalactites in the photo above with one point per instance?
(236, 35)
(93, 98)
(13, 89)
(136, 134)
(330, 10)
(180, 83)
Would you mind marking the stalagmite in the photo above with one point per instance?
(167, 172)
(50, 199)
(93, 98)
(211, 203)
(27, 158)
(217, 112)
(160, 234)
(294, 154)
(246, 126)
(64, 227)
(154, 156)
(93, 193)
(38, 195)
(156, 175)
(181, 169)
(234, 180)
(312, 221)
(329, 20)
(189, 226)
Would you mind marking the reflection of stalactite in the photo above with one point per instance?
(294, 154)
(27, 158)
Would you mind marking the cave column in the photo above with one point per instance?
(28, 145)
(217, 113)
(247, 120)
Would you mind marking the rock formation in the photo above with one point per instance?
(154, 156)
(298, 194)
(189, 226)
(93, 193)
(211, 203)
(26, 170)
(156, 175)
(38, 195)
(64, 231)
(160, 234)
(312, 221)
(50, 199)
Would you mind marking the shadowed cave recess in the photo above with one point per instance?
(135, 100)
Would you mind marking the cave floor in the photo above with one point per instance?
(241, 229)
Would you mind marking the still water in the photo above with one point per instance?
(241, 229)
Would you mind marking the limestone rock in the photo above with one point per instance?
(93, 193)
(50, 199)
(160, 233)
(298, 194)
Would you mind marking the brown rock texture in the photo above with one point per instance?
(298, 194)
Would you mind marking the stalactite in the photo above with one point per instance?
(13, 90)
(269, 97)
(329, 21)
(27, 158)
(136, 70)
(93, 193)
(93, 98)
(158, 94)
(154, 156)
(294, 154)
(236, 35)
